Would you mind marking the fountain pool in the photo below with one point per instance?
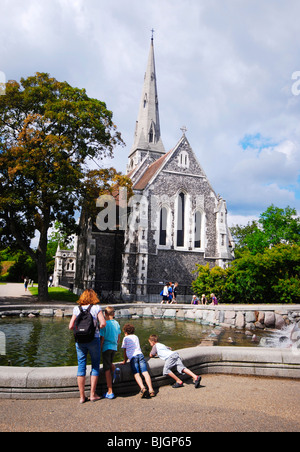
(47, 342)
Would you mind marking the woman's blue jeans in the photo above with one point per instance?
(94, 349)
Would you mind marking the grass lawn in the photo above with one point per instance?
(57, 294)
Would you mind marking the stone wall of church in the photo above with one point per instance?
(83, 251)
(108, 270)
(170, 262)
(171, 265)
(199, 194)
(195, 184)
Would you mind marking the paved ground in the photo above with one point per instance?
(11, 293)
(223, 403)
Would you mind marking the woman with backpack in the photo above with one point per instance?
(85, 326)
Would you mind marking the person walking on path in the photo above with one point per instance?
(175, 288)
(15, 292)
(88, 302)
(166, 294)
(26, 282)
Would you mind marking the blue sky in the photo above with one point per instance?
(225, 71)
(257, 142)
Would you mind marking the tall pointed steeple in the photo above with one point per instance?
(147, 138)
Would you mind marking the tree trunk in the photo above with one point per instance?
(42, 278)
(42, 266)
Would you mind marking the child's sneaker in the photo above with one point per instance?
(117, 375)
(109, 396)
(178, 385)
(197, 382)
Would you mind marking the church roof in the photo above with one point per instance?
(150, 172)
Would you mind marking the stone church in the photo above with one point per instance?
(176, 220)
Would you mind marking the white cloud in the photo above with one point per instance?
(241, 220)
(224, 70)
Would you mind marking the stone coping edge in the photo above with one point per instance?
(226, 307)
(61, 382)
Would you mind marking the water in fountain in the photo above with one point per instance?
(287, 337)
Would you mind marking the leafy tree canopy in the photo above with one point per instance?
(275, 226)
(269, 277)
(267, 264)
(49, 131)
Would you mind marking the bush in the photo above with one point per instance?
(268, 277)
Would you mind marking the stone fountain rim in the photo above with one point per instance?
(60, 382)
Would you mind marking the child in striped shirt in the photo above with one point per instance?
(133, 352)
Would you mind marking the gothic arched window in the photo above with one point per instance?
(163, 227)
(198, 230)
(181, 220)
(183, 160)
(151, 135)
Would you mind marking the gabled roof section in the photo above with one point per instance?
(153, 169)
(169, 164)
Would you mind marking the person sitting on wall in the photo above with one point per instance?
(204, 300)
(195, 300)
(214, 300)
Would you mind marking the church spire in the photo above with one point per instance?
(147, 136)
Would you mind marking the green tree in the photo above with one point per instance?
(240, 233)
(209, 281)
(268, 277)
(280, 225)
(58, 237)
(24, 266)
(49, 132)
(204, 282)
(275, 226)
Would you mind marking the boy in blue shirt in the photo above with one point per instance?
(110, 337)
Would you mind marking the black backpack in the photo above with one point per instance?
(84, 327)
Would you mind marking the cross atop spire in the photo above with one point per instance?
(152, 31)
(184, 130)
